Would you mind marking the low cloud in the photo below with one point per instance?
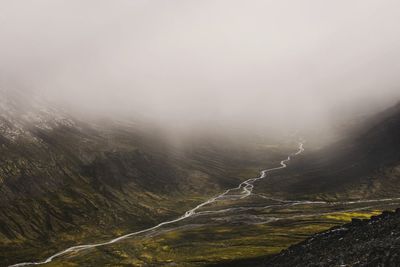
(263, 64)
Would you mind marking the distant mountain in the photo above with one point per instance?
(21, 114)
(364, 164)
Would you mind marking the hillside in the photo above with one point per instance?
(366, 242)
(363, 164)
(373, 242)
(64, 181)
(362, 169)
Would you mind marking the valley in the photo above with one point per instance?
(79, 194)
(71, 183)
(242, 191)
(228, 133)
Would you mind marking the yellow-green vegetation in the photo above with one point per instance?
(347, 216)
(192, 244)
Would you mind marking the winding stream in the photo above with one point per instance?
(245, 190)
(246, 187)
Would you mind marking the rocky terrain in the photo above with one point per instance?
(373, 242)
(366, 242)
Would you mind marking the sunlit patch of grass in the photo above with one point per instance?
(347, 216)
(219, 243)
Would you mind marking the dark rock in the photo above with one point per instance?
(365, 244)
(355, 221)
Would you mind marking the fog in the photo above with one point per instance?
(246, 64)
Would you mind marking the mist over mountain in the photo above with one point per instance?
(264, 65)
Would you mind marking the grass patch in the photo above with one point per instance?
(347, 216)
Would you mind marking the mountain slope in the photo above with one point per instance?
(373, 242)
(64, 181)
(362, 165)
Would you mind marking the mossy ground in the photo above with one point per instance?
(199, 245)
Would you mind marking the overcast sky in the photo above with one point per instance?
(186, 61)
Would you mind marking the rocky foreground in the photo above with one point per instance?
(374, 242)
